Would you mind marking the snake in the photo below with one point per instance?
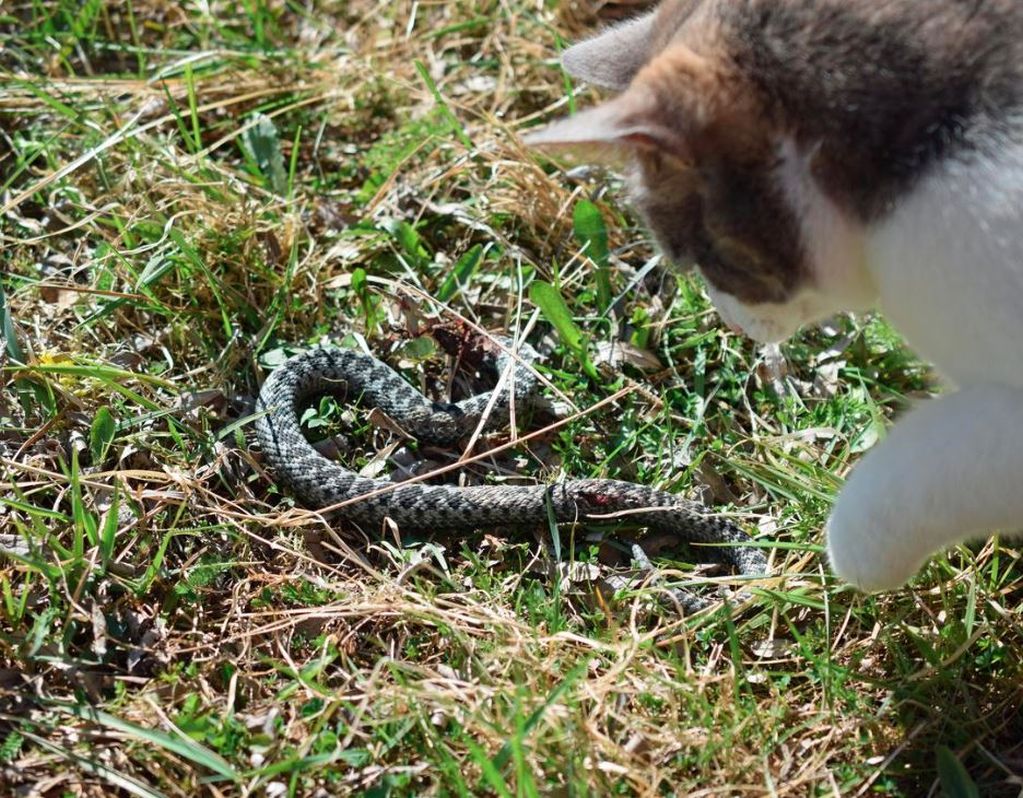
(321, 483)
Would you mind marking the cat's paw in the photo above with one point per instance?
(868, 552)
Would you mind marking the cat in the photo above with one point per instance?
(816, 156)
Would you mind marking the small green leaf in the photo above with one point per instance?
(156, 267)
(955, 781)
(459, 276)
(370, 303)
(552, 305)
(418, 349)
(410, 241)
(101, 434)
(546, 297)
(311, 418)
(264, 145)
(359, 281)
(591, 233)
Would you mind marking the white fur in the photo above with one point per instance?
(949, 269)
(948, 471)
(946, 268)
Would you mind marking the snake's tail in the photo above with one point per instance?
(712, 536)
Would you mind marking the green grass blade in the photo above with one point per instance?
(183, 746)
(14, 350)
(196, 259)
(955, 780)
(84, 522)
(99, 371)
(491, 775)
(502, 756)
(456, 126)
(193, 108)
(32, 510)
(108, 533)
(53, 573)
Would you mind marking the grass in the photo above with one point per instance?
(192, 191)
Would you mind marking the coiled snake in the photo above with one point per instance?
(319, 482)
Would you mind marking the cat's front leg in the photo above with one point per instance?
(951, 470)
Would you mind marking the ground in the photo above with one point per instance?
(190, 192)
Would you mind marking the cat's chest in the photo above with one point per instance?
(948, 264)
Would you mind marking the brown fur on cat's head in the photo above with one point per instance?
(700, 136)
(767, 135)
(710, 196)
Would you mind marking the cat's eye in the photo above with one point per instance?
(736, 255)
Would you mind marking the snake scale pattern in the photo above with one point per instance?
(319, 483)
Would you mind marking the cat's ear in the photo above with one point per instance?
(613, 131)
(612, 58)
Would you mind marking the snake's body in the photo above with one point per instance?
(320, 483)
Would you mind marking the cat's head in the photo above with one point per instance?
(719, 180)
